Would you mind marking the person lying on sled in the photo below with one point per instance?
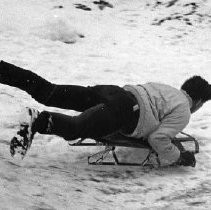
(154, 111)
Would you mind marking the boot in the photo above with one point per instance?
(22, 141)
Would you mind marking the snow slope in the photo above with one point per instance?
(84, 43)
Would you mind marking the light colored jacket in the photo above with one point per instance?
(164, 112)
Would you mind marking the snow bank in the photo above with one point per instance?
(58, 27)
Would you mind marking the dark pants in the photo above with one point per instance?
(106, 109)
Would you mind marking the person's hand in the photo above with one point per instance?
(187, 158)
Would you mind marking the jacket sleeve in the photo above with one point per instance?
(170, 126)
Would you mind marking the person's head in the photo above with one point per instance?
(198, 89)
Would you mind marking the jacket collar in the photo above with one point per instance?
(188, 97)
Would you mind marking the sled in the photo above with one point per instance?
(118, 140)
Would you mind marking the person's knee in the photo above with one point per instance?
(42, 92)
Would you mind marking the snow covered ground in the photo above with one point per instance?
(82, 42)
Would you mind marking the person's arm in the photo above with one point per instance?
(170, 126)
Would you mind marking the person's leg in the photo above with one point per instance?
(62, 96)
(81, 98)
(25, 80)
(98, 121)
(94, 122)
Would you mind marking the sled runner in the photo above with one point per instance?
(118, 140)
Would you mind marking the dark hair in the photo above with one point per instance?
(197, 88)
